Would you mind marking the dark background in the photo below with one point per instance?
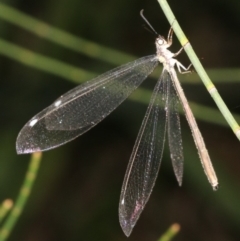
(76, 194)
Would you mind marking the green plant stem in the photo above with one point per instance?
(170, 233)
(61, 37)
(199, 68)
(22, 197)
(43, 63)
(5, 208)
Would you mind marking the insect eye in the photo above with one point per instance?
(160, 41)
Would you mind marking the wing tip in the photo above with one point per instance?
(26, 148)
(126, 226)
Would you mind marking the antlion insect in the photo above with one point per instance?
(83, 107)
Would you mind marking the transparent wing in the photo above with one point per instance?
(174, 131)
(83, 107)
(145, 160)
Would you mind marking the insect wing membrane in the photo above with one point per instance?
(174, 131)
(80, 109)
(145, 160)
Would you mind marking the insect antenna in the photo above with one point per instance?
(149, 25)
